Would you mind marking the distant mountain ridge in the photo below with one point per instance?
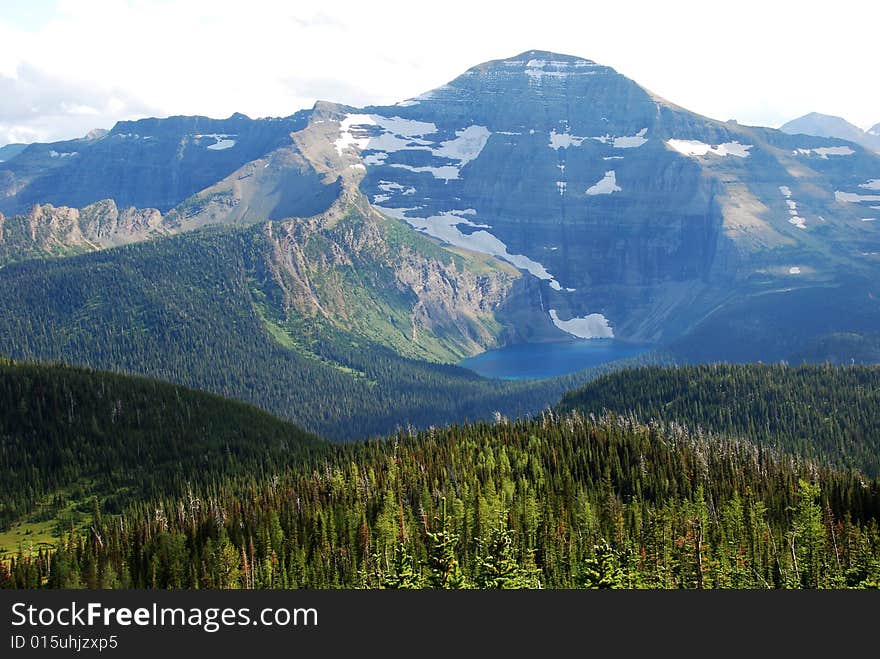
(145, 163)
(9, 151)
(823, 125)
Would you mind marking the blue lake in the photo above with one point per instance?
(546, 360)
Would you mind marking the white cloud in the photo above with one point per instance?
(213, 58)
(39, 107)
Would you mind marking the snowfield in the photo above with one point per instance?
(593, 326)
(696, 148)
(825, 151)
(607, 185)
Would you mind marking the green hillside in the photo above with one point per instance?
(824, 412)
(560, 501)
(70, 433)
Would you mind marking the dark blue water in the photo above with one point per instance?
(546, 360)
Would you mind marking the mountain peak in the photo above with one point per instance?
(549, 56)
(539, 62)
(826, 125)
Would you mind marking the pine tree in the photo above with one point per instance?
(401, 573)
(603, 569)
(444, 570)
(497, 566)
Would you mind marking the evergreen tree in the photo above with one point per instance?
(444, 571)
(401, 573)
(602, 570)
(497, 565)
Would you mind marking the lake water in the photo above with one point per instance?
(545, 360)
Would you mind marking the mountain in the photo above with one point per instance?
(823, 125)
(639, 218)
(557, 197)
(9, 151)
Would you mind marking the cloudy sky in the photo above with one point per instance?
(67, 66)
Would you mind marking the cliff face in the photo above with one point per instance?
(366, 274)
(47, 230)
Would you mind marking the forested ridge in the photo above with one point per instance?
(125, 439)
(825, 412)
(560, 500)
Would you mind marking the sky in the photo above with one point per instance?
(68, 66)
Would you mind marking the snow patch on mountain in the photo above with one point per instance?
(467, 145)
(381, 136)
(795, 270)
(444, 173)
(872, 184)
(564, 140)
(697, 148)
(593, 326)
(853, 198)
(397, 134)
(538, 69)
(221, 141)
(796, 220)
(825, 151)
(630, 141)
(607, 185)
(445, 226)
(391, 186)
(375, 159)
(347, 130)
(405, 127)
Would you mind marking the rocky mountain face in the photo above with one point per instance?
(538, 197)
(368, 275)
(823, 125)
(46, 230)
